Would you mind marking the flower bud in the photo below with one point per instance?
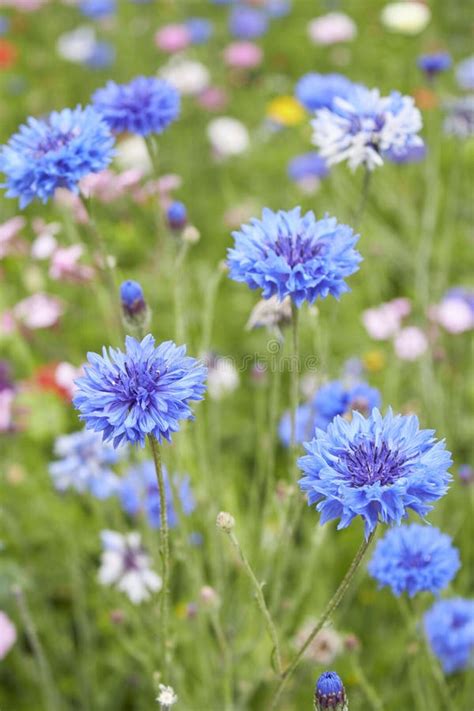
(191, 234)
(209, 597)
(330, 693)
(177, 215)
(225, 521)
(134, 308)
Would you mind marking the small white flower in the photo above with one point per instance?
(188, 77)
(132, 154)
(228, 136)
(407, 18)
(222, 377)
(167, 696)
(125, 564)
(77, 46)
(332, 28)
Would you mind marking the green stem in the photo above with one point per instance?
(226, 656)
(51, 700)
(165, 552)
(363, 198)
(179, 282)
(260, 601)
(294, 365)
(372, 697)
(331, 606)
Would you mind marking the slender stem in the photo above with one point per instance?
(178, 293)
(295, 366)
(165, 551)
(47, 684)
(331, 606)
(363, 198)
(372, 697)
(226, 655)
(260, 601)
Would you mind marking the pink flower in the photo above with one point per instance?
(9, 235)
(332, 28)
(245, 55)
(172, 38)
(25, 5)
(410, 343)
(65, 265)
(454, 314)
(38, 311)
(383, 322)
(6, 425)
(213, 99)
(108, 186)
(7, 634)
(66, 375)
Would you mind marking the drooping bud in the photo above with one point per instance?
(330, 693)
(134, 307)
(225, 521)
(177, 215)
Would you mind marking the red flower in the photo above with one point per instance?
(8, 54)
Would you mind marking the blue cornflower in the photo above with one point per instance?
(376, 467)
(4, 25)
(102, 55)
(85, 464)
(363, 126)
(414, 559)
(316, 91)
(132, 296)
(177, 215)
(146, 105)
(331, 399)
(247, 22)
(200, 29)
(434, 63)
(449, 628)
(329, 693)
(139, 494)
(278, 8)
(97, 9)
(289, 254)
(308, 165)
(465, 74)
(144, 391)
(55, 153)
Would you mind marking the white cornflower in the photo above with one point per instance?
(364, 126)
(167, 697)
(228, 136)
(189, 77)
(125, 564)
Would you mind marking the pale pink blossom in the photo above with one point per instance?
(38, 311)
(65, 265)
(245, 55)
(7, 634)
(6, 424)
(108, 186)
(173, 38)
(73, 203)
(65, 375)
(382, 322)
(43, 246)
(332, 28)
(10, 241)
(453, 314)
(410, 343)
(24, 5)
(213, 99)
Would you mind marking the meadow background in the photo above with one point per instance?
(417, 242)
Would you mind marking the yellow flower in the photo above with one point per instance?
(286, 111)
(374, 361)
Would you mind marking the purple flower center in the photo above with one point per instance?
(298, 249)
(368, 463)
(53, 142)
(130, 560)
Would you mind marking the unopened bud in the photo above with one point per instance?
(191, 234)
(209, 597)
(330, 693)
(225, 521)
(134, 308)
(177, 215)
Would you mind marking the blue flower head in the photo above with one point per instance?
(377, 468)
(146, 105)
(434, 63)
(329, 692)
(102, 55)
(97, 9)
(465, 74)
(55, 153)
(144, 391)
(449, 628)
(247, 22)
(362, 127)
(316, 91)
(85, 464)
(177, 215)
(139, 494)
(308, 165)
(289, 254)
(200, 29)
(414, 559)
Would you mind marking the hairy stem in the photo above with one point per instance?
(295, 365)
(363, 198)
(331, 606)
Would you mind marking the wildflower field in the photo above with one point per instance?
(236, 393)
